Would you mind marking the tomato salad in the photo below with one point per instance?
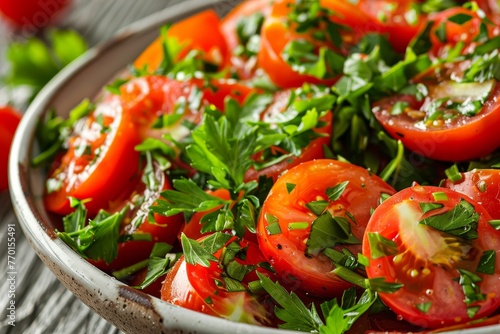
(322, 166)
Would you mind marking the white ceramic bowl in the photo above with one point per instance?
(128, 309)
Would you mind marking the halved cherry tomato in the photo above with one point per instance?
(242, 306)
(288, 205)
(137, 221)
(198, 32)
(10, 119)
(397, 20)
(245, 67)
(444, 133)
(202, 288)
(437, 243)
(178, 290)
(483, 186)
(275, 36)
(315, 149)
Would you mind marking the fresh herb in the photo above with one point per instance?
(202, 252)
(380, 246)
(461, 221)
(34, 62)
(98, 239)
(328, 231)
(487, 262)
(53, 131)
(472, 291)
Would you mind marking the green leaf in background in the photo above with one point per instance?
(34, 62)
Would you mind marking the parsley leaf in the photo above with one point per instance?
(340, 318)
(461, 221)
(294, 314)
(97, 240)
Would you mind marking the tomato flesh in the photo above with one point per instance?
(426, 260)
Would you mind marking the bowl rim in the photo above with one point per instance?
(114, 296)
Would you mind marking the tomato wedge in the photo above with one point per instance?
(198, 32)
(288, 214)
(440, 246)
(10, 120)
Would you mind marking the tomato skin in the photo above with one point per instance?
(240, 306)
(464, 138)
(426, 265)
(10, 119)
(198, 32)
(287, 251)
(178, 290)
(465, 33)
(189, 286)
(389, 18)
(483, 186)
(33, 14)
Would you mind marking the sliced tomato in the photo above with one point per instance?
(483, 186)
(285, 223)
(10, 119)
(411, 240)
(274, 38)
(243, 306)
(99, 161)
(458, 25)
(397, 20)
(278, 31)
(198, 32)
(242, 64)
(444, 133)
(178, 290)
(314, 150)
(138, 224)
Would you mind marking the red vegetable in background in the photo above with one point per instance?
(9, 120)
(31, 15)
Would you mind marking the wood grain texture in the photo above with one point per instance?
(43, 305)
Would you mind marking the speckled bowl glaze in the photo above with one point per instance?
(129, 310)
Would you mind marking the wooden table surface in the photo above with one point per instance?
(43, 305)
